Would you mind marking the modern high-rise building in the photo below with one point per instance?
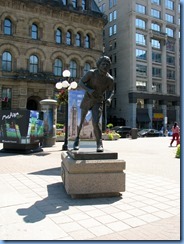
(41, 38)
(142, 38)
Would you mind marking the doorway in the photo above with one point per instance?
(33, 103)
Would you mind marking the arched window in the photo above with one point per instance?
(87, 67)
(84, 4)
(58, 67)
(7, 27)
(68, 38)
(34, 31)
(78, 40)
(7, 61)
(87, 41)
(58, 36)
(74, 3)
(73, 69)
(33, 64)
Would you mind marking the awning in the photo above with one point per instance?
(143, 117)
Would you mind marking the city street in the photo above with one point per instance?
(35, 206)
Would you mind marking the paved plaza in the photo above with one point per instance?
(35, 206)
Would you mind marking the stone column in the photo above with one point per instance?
(88, 4)
(149, 60)
(164, 66)
(150, 112)
(177, 64)
(132, 115)
(164, 111)
(79, 5)
(177, 108)
(70, 5)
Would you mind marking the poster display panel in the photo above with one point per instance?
(74, 116)
(21, 126)
(48, 123)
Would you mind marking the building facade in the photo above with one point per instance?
(41, 38)
(142, 38)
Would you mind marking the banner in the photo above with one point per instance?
(74, 116)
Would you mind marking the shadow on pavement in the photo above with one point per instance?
(52, 204)
(56, 201)
(5, 154)
(52, 171)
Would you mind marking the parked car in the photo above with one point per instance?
(123, 131)
(166, 133)
(149, 133)
(170, 133)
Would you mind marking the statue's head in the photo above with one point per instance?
(103, 59)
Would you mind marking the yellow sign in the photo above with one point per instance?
(158, 116)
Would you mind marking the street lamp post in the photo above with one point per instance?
(65, 84)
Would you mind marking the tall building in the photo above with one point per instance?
(41, 38)
(142, 38)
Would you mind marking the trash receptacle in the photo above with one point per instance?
(134, 133)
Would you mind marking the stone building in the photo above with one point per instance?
(41, 38)
(142, 38)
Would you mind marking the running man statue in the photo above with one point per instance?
(95, 83)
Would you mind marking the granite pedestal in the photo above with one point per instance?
(91, 174)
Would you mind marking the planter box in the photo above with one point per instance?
(60, 138)
(106, 137)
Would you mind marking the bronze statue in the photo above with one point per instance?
(95, 83)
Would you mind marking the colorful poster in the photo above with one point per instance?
(36, 125)
(74, 116)
(20, 126)
(48, 123)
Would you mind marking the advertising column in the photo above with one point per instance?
(49, 108)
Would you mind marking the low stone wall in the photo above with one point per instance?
(60, 138)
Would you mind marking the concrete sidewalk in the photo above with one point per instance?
(35, 206)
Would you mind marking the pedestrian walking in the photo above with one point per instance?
(176, 134)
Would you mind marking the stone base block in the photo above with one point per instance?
(49, 142)
(96, 178)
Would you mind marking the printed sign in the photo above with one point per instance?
(74, 116)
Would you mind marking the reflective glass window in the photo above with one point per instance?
(7, 61)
